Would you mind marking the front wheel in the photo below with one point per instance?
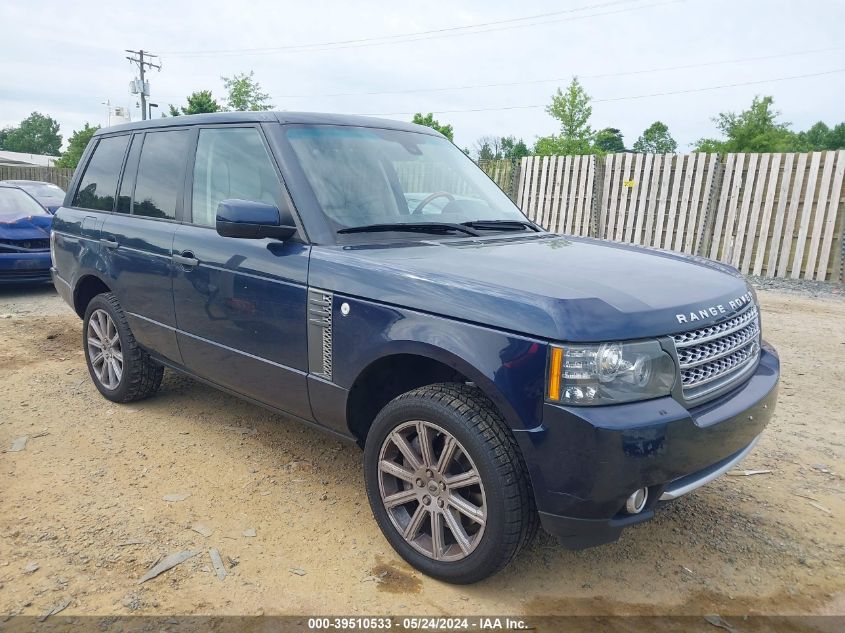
(120, 369)
(447, 483)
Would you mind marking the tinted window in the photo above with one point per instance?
(160, 173)
(99, 182)
(231, 163)
(124, 198)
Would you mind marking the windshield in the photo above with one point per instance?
(16, 204)
(43, 190)
(367, 176)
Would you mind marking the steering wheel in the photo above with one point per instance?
(429, 198)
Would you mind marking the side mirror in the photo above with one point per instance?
(253, 220)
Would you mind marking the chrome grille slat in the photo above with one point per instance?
(696, 337)
(717, 348)
(717, 356)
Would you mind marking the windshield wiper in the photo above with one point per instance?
(417, 227)
(500, 225)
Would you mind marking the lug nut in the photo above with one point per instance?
(428, 473)
(440, 503)
(442, 485)
(426, 500)
(420, 482)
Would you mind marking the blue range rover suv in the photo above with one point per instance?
(365, 277)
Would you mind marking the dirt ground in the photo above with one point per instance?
(84, 516)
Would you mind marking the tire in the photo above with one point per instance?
(491, 520)
(139, 376)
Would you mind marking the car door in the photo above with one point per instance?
(137, 239)
(240, 303)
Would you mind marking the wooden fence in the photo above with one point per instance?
(57, 175)
(767, 214)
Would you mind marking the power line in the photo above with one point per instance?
(627, 98)
(558, 79)
(454, 31)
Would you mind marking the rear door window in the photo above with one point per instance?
(98, 186)
(161, 173)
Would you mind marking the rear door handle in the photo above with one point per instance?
(186, 260)
(109, 243)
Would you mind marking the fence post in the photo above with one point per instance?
(596, 209)
(514, 179)
(709, 220)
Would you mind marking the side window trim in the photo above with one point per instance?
(183, 214)
(130, 170)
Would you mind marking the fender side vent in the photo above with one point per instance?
(320, 333)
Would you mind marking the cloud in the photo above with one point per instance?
(65, 60)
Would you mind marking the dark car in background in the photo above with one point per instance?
(49, 195)
(24, 238)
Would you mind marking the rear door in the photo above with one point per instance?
(241, 303)
(137, 239)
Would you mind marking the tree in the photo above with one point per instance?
(199, 102)
(486, 152)
(429, 121)
(656, 140)
(37, 134)
(609, 140)
(76, 145)
(244, 93)
(488, 148)
(572, 108)
(500, 147)
(753, 130)
(815, 139)
(512, 148)
(820, 137)
(836, 137)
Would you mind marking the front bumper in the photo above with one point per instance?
(584, 462)
(24, 268)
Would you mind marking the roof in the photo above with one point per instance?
(309, 118)
(28, 160)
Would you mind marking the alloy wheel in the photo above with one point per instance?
(432, 491)
(104, 349)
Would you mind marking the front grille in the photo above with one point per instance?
(27, 245)
(717, 356)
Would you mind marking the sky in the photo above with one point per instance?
(395, 58)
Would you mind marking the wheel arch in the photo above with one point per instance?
(86, 288)
(407, 365)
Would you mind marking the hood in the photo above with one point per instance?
(548, 286)
(51, 204)
(27, 228)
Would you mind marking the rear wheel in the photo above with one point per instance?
(120, 369)
(447, 484)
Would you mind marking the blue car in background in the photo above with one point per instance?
(50, 195)
(24, 238)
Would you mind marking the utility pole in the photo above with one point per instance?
(138, 58)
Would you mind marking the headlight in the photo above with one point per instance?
(609, 373)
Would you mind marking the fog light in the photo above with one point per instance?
(636, 502)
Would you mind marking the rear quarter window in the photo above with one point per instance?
(98, 186)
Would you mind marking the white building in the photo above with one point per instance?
(25, 160)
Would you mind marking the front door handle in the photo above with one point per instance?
(186, 260)
(109, 243)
